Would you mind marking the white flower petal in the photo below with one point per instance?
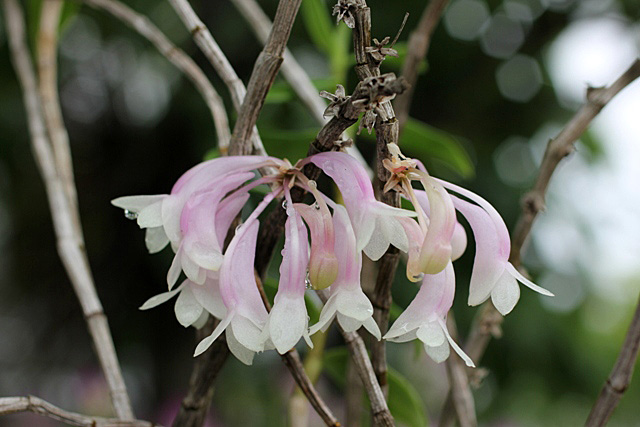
(202, 320)
(528, 283)
(156, 300)
(371, 326)
(440, 353)
(349, 324)
(156, 239)
(431, 334)
(505, 293)
(206, 343)
(187, 308)
(287, 322)
(193, 270)
(208, 296)
(137, 203)
(247, 333)
(242, 353)
(151, 216)
(326, 316)
(174, 270)
(456, 347)
(355, 304)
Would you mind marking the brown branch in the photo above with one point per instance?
(195, 405)
(70, 241)
(357, 349)
(207, 44)
(620, 376)
(461, 396)
(143, 26)
(19, 404)
(419, 42)
(489, 320)
(387, 130)
(293, 362)
(263, 75)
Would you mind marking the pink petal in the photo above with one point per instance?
(490, 260)
(323, 264)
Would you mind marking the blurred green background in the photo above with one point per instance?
(502, 77)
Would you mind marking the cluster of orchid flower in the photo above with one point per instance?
(204, 202)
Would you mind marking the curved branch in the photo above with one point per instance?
(143, 26)
(18, 404)
(70, 240)
(620, 376)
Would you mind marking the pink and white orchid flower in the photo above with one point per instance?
(375, 224)
(493, 275)
(288, 320)
(347, 302)
(425, 317)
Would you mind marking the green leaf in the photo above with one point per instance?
(405, 403)
(317, 21)
(211, 154)
(424, 142)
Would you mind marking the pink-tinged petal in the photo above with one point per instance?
(434, 300)
(208, 295)
(357, 192)
(241, 353)
(498, 222)
(436, 248)
(295, 256)
(323, 263)
(489, 262)
(237, 281)
(528, 283)
(156, 300)
(227, 211)
(187, 308)
(288, 322)
(198, 222)
(349, 258)
(206, 173)
(505, 293)
(415, 237)
(155, 239)
(458, 242)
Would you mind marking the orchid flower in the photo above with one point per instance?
(425, 317)
(194, 301)
(347, 302)
(375, 224)
(246, 314)
(323, 263)
(493, 275)
(288, 319)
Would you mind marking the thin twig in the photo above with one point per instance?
(263, 75)
(489, 320)
(293, 362)
(18, 404)
(419, 42)
(207, 44)
(620, 376)
(141, 24)
(357, 349)
(293, 72)
(195, 405)
(48, 72)
(69, 237)
(387, 131)
(462, 399)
